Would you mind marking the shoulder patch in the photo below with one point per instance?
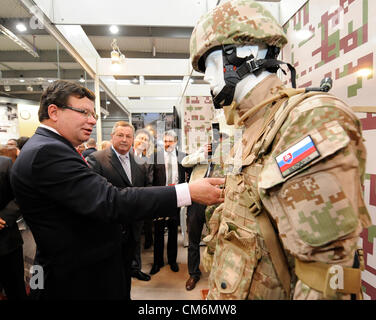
(297, 156)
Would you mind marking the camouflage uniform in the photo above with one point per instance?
(316, 205)
(219, 166)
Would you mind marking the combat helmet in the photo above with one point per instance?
(231, 24)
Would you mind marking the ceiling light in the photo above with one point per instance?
(7, 88)
(50, 80)
(21, 27)
(114, 29)
(304, 34)
(115, 67)
(21, 78)
(108, 102)
(29, 88)
(134, 80)
(82, 80)
(22, 43)
(365, 72)
(116, 56)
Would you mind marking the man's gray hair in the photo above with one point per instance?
(171, 133)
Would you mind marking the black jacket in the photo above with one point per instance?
(88, 152)
(74, 213)
(159, 169)
(10, 236)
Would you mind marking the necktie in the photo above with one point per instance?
(124, 159)
(169, 168)
(81, 156)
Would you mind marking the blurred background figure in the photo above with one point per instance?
(143, 150)
(167, 171)
(11, 253)
(21, 142)
(105, 145)
(12, 143)
(91, 147)
(81, 148)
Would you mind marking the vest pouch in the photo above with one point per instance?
(239, 255)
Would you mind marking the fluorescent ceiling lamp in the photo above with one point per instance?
(21, 27)
(114, 29)
(23, 44)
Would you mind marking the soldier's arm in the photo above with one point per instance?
(312, 183)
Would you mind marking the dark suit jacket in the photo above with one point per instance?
(159, 169)
(107, 164)
(74, 215)
(88, 152)
(10, 237)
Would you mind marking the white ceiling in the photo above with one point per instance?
(166, 15)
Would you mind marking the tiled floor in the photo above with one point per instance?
(166, 284)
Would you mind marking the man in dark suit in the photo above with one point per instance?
(74, 213)
(167, 171)
(91, 147)
(117, 164)
(143, 150)
(11, 259)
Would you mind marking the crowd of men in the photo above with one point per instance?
(129, 162)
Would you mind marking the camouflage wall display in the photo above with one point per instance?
(198, 116)
(336, 39)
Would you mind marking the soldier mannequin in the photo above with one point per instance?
(293, 209)
(214, 71)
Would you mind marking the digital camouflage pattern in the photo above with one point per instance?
(241, 22)
(319, 210)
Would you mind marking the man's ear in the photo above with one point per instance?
(52, 112)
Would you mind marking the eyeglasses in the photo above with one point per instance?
(87, 113)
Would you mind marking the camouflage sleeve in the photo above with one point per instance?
(311, 182)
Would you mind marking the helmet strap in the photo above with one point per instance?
(236, 69)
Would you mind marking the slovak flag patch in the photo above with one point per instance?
(297, 156)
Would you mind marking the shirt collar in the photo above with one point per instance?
(49, 128)
(120, 155)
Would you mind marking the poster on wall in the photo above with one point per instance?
(8, 123)
(338, 40)
(198, 117)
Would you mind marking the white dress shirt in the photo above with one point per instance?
(174, 162)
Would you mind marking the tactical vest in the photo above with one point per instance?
(250, 261)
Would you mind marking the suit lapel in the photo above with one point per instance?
(116, 164)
